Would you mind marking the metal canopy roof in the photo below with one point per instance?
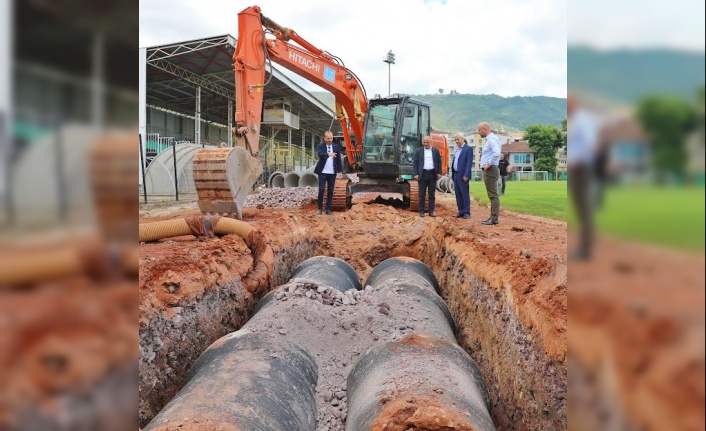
(175, 70)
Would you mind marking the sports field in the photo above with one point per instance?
(541, 198)
(668, 216)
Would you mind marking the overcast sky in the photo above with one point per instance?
(504, 47)
(611, 24)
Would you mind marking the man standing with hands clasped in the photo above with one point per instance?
(427, 169)
(461, 173)
(328, 166)
(505, 169)
(489, 159)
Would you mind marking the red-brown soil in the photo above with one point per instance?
(505, 286)
(637, 339)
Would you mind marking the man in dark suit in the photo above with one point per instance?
(427, 169)
(461, 173)
(328, 166)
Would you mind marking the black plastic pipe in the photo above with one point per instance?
(411, 277)
(394, 269)
(417, 383)
(329, 271)
(324, 271)
(245, 381)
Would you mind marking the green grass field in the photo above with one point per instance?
(541, 198)
(668, 216)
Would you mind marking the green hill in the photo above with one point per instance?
(624, 76)
(462, 112)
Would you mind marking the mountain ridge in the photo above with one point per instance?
(452, 113)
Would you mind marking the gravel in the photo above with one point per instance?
(337, 328)
(282, 198)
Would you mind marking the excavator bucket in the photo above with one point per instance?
(223, 178)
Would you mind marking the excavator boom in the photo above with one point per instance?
(381, 135)
(252, 53)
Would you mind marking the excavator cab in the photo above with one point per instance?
(394, 128)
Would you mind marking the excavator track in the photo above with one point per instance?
(413, 195)
(342, 196)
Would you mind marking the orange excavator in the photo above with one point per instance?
(380, 134)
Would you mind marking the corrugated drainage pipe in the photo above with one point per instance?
(257, 278)
(309, 179)
(451, 187)
(92, 256)
(412, 278)
(325, 271)
(277, 177)
(245, 381)
(291, 179)
(420, 382)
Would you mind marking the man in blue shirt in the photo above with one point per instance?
(461, 173)
(489, 159)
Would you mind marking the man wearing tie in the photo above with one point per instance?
(460, 173)
(427, 169)
(328, 166)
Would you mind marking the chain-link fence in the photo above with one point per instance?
(168, 175)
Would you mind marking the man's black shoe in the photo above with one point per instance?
(489, 222)
(319, 211)
(459, 215)
(421, 214)
(328, 212)
(465, 216)
(431, 215)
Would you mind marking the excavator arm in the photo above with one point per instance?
(252, 52)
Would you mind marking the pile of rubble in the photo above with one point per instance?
(281, 198)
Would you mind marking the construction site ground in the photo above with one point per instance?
(505, 286)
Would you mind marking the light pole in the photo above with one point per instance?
(390, 60)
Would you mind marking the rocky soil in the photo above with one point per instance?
(505, 286)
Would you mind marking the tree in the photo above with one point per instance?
(441, 91)
(667, 120)
(544, 140)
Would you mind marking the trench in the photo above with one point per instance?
(526, 381)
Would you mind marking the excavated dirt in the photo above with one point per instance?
(637, 339)
(68, 350)
(505, 286)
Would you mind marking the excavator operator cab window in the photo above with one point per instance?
(410, 136)
(380, 134)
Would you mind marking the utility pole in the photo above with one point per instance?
(390, 60)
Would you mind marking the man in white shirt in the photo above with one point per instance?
(582, 139)
(489, 160)
(427, 169)
(328, 166)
